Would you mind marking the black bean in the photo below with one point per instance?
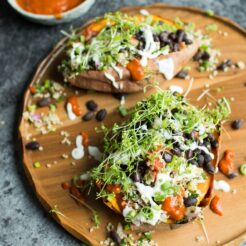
(136, 177)
(176, 151)
(214, 144)
(180, 35)
(88, 116)
(193, 162)
(120, 96)
(91, 105)
(200, 160)
(208, 167)
(174, 111)
(237, 124)
(190, 201)
(167, 157)
(115, 237)
(187, 41)
(163, 37)
(101, 114)
(34, 145)
(43, 102)
(211, 137)
(182, 74)
(172, 36)
(207, 144)
(156, 38)
(189, 154)
(175, 47)
(232, 175)
(198, 56)
(197, 151)
(207, 158)
(205, 55)
(223, 65)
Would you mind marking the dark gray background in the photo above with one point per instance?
(22, 46)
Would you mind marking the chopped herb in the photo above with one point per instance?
(212, 27)
(37, 164)
(210, 12)
(122, 110)
(242, 169)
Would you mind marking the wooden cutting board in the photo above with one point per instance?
(77, 220)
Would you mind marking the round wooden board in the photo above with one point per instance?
(77, 219)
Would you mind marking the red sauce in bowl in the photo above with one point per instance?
(48, 7)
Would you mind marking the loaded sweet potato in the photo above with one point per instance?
(159, 165)
(121, 53)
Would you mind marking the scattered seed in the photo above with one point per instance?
(88, 116)
(73, 163)
(43, 102)
(91, 105)
(237, 124)
(64, 156)
(41, 148)
(101, 114)
(34, 145)
(240, 65)
(48, 165)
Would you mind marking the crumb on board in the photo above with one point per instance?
(200, 238)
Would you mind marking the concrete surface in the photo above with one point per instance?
(22, 46)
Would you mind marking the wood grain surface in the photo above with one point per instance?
(76, 219)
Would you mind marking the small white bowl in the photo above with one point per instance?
(64, 17)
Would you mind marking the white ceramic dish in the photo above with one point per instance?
(64, 17)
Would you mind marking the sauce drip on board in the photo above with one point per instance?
(48, 7)
(75, 105)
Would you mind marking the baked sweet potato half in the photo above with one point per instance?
(121, 53)
(159, 165)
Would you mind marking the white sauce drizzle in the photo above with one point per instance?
(144, 12)
(112, 79)
(70, 113)
(95, 153)
(222, 185)
(118, 70)
(76, 54)
(176, 88)
(78, 152)
(166, 67)
(194, 146)
(150, 46)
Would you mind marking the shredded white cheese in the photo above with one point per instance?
(70, 113)
(166, 67)
(95, 153)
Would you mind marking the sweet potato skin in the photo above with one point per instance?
(96, 80)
